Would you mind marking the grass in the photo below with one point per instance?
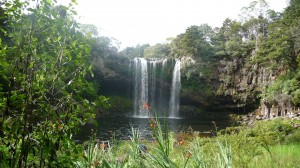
(264, 144)
(279, 156)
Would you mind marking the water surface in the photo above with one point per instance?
(120, 127)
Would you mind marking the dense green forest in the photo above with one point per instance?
(51, 65)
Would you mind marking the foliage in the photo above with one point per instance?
(293, 138)
(119, 104)
(164, 151)
(157, 51)
(243, 146)
(250, 143)
(98, 154)
(228, 40)
(47, 62)
(280, 52)
(194, 42)
(278, 156)
(161, 154)
(137, 51)
(44, 91)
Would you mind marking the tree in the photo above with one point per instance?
(157, 51)
(137, 51)
(280, 51)
(228, 40)
(89, 30)
(194, 42)
(282, 45)
(43, 88)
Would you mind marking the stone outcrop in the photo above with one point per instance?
(228, 85)
(245, 81)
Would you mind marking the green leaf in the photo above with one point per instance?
(95, 122)
(90, 70)
(106, 164)
(74, 12)
(75, 2)
(31, 64)
(3, 30)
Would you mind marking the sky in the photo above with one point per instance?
(134, 22)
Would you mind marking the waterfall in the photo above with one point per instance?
(175, 91)
(153, 84)
(164, 63)
(163, 98)
(140, 87)
(151, 87)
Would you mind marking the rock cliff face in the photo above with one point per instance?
(112, 76)
(224, 86)
(231, 85)
(244, 82)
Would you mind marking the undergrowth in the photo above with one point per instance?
(264, 144)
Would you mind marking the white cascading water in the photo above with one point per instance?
(151, 91)
(140, 87)
(153, 83)
(163, 93)
(164, 63)
(175, 91)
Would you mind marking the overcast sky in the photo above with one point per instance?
(135, 22)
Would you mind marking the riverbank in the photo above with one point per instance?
(271, 143)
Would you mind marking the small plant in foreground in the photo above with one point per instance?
(161, 154)
(92, 155)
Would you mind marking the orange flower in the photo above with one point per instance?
(152, 125)
(146, 106)
(103, 146)
(181, 142)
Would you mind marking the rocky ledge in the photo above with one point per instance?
(250, 118)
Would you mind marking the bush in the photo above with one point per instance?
(120, 104)
(293, 138)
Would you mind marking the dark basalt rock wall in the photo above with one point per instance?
(228, 85)
(114, 80)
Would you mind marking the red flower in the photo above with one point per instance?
(146, 106)
(103, 146)
(152, 125)
(181, 142)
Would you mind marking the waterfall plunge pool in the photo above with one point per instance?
(120, 127)
(156, 87)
